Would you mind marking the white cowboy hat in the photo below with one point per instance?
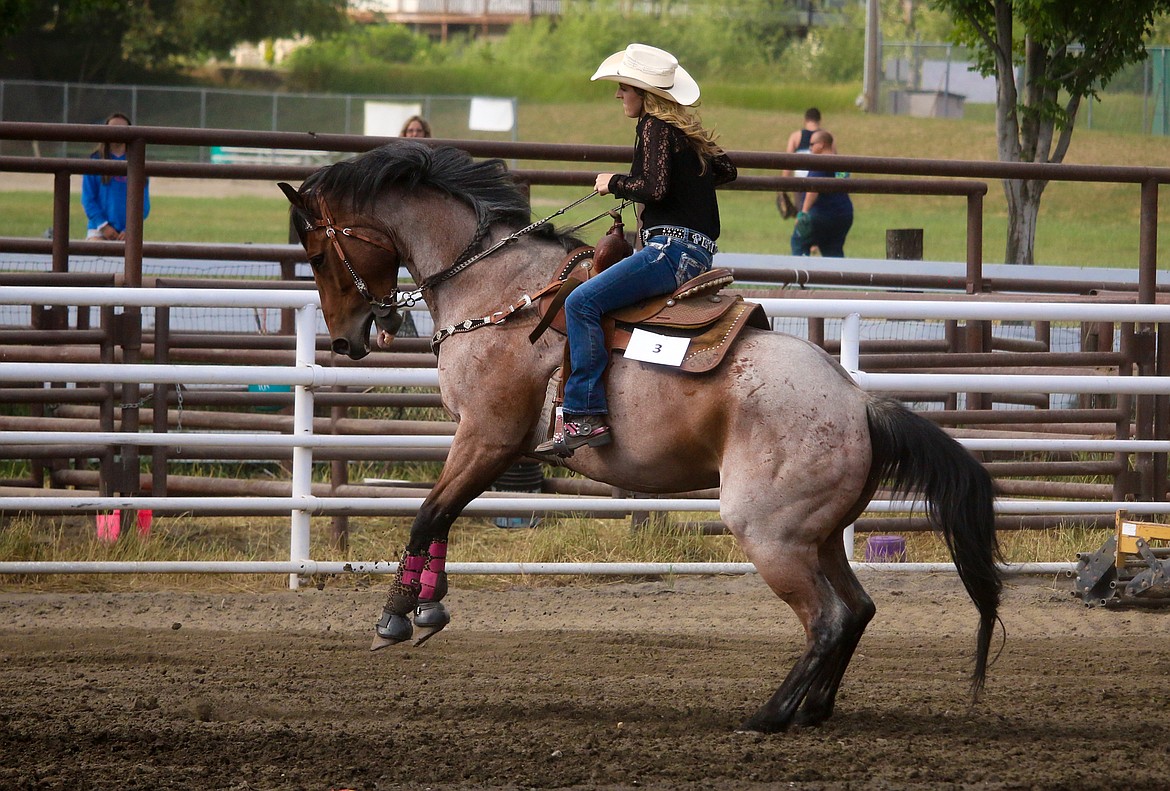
(651, 69)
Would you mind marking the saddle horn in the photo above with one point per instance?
(613, 246)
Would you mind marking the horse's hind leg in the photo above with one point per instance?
(822, 693)
(791, 549)
(825, 617)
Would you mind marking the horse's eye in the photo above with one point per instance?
(316, 261)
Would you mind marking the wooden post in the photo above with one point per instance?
(904, 244)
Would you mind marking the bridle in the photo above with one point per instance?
(385, 309)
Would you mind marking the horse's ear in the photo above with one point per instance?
(293, 196)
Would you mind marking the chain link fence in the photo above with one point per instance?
(456, 117)
(936, 80)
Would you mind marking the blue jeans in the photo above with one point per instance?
(664, 264)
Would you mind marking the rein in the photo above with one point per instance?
(461, 264)
(502, 315)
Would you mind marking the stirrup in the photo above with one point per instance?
(568, 435)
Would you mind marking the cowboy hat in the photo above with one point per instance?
(651, 69)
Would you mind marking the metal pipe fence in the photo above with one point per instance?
(139, 168)
(307, 376)
(935, 177)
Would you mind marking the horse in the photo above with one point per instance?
(796, 448)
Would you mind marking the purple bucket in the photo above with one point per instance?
(885, 549)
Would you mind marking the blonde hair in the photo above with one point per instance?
(702, 140)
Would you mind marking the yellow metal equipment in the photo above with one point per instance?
(1127, 566)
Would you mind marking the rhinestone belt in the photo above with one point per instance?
(678, 232)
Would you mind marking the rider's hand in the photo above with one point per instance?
(601, 185)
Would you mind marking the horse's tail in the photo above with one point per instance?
(915, 455)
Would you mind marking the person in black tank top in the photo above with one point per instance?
(798, 142)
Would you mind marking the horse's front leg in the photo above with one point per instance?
(414, 607)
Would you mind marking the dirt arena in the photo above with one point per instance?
(603, 686)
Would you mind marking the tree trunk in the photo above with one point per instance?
(1023, 206)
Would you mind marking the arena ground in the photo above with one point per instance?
(599, 686)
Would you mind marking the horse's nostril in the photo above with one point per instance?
(341, 346)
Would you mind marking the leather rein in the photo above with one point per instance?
(385, 308)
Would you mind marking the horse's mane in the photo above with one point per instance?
(485, 186)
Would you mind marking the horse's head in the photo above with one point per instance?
(352, 265)
(430, 210)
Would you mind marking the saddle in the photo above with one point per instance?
(696, 310)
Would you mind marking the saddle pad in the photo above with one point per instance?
(710, 344)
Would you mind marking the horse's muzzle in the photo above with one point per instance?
(344, 347)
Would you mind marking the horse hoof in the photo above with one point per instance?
(429, 619)
(759, 725)
(391, 628)
(381, 642)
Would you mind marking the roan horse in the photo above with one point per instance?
(796, 448)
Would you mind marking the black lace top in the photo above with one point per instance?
(665, 178)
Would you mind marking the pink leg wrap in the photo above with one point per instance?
(412, 569)
(436, 563)
(404, 592)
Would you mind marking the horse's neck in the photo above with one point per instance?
(494, 283)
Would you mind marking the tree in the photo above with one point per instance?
(109, 40)
(1047, 56)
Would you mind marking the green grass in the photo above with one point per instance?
(557, 539)
(228, 219)
(1080, 224)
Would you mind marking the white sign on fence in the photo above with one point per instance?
(491, 115)
(386, 119)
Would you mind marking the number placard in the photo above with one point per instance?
(661, 349)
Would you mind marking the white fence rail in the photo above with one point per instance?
(306, 376)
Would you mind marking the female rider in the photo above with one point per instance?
(677, 165)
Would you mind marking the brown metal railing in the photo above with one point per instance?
(1144, 350)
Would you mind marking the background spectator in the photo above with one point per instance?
(824, 220)
(798, 143)
(104, 196)
(416, 126)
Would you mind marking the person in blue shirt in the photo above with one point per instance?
(824, 220)
(104, 196)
